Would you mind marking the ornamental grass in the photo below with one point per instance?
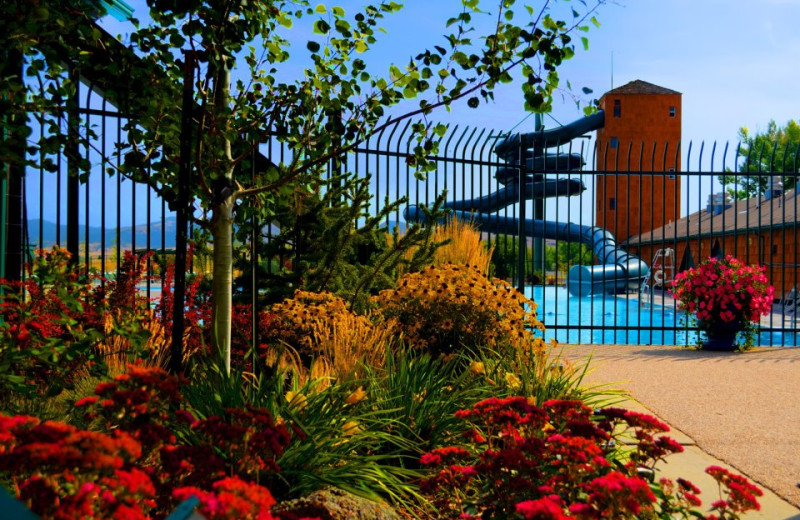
(461, 244)
(331, 342)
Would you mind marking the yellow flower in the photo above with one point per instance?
(350, 428)
(477, 368)
(357, 396)
(513, 381)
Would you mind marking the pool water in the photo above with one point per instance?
(607, 319)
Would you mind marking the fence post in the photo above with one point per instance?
(12, 194)
(182, 214)
(538, 253)
(72, 151)
(522, 250)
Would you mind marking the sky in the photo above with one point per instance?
(735, 62)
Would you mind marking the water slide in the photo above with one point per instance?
(616, 271)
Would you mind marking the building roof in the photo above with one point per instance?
(641, 87)
(747, 215)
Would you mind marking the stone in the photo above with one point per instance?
(334, 504)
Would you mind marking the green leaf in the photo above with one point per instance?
(312, 46)
(321, 27)
(360, 46)
(284, 20)
(321, 9)
(585, 42)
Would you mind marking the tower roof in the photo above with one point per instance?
(641, 87)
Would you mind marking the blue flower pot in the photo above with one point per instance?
(722, 336)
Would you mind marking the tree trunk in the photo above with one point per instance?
(222, 231)
(222, 283)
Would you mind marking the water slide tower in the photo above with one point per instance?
(640, 139)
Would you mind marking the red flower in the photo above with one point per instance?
(541, 509)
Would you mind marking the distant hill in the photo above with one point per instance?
(401, 226)
(128, 236)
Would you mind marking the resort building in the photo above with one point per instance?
(762, 229)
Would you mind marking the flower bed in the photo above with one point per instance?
(462, 421)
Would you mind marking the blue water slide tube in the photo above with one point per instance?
(618, 270)
(544, 163)
(508, 148)
(508, 195)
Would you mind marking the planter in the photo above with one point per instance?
(722, 336)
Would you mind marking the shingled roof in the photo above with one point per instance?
(641, 87)
(753, 214)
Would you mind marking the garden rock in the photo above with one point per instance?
(334, 504)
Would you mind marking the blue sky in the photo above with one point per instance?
(734, 61)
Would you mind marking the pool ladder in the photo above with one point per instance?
(661, 272)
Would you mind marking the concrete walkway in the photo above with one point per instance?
(736, 410)
(691, 465)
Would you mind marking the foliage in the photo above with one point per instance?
(421, 394)
(720, 292)
(240, 440)
(60, 471)
(198, 322)
(231, 498)
(772, 151)
(61, 322)
(443, 309)
(334, 105)
(505, 254)
(540, 375)
(518, 460)
(568, 254)
(153, 437)
(462, 245)
(343, 439)
(327, 240)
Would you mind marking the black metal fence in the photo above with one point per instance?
(663, 203)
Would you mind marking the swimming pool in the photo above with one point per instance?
(607, 319)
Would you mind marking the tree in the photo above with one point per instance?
(241, 103)
(777, 150)
(572, 253)
(505, 256)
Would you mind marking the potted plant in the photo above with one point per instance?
(725, 297)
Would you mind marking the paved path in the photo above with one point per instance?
(741, 408)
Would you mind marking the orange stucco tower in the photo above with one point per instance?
(638, 156)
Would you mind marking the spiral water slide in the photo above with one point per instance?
(616, 271)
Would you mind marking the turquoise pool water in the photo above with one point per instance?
(606, 319)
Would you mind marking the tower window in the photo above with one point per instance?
(614, 143)
(672, 111)
(612, 203)
(617, 108)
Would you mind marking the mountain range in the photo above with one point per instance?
(128, 236)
